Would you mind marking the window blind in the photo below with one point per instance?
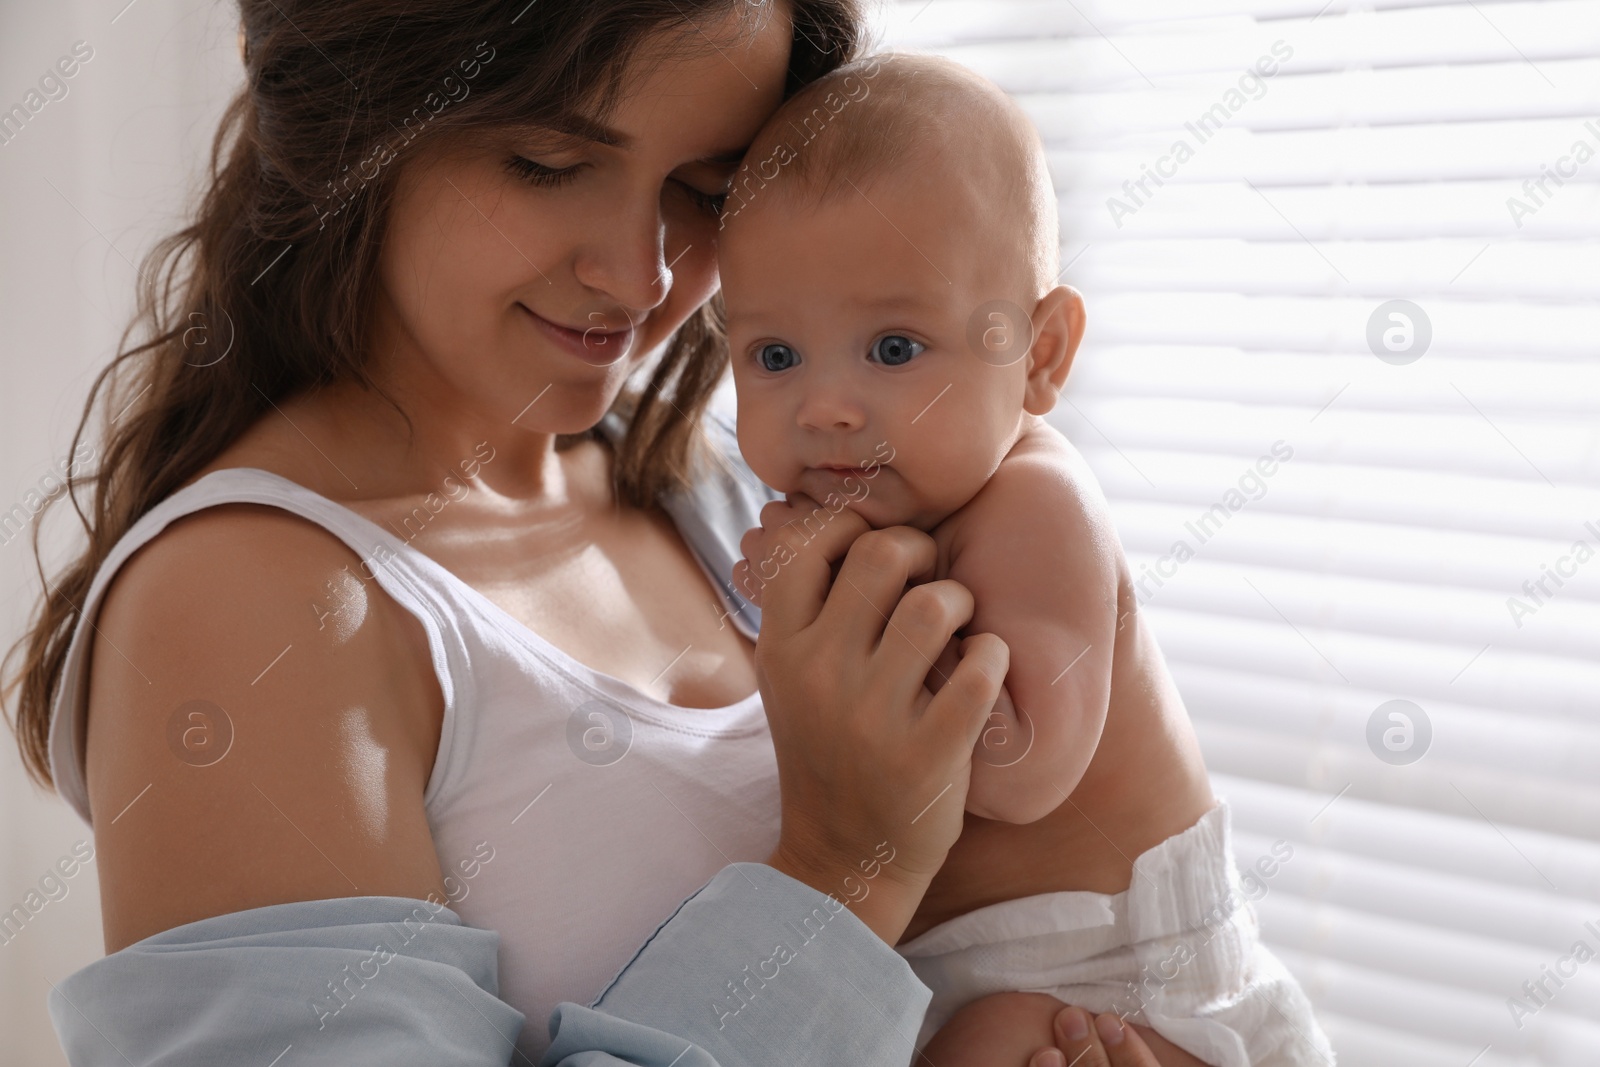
(1342, 388)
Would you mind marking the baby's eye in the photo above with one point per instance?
(894, 350)
(777, 357)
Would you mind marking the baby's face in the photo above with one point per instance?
(856, 375)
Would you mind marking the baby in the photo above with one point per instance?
(889, 264)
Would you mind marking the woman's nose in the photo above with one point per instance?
(623, 257)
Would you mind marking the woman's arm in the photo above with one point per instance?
(248, 631)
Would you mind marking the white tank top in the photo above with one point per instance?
(570, 812)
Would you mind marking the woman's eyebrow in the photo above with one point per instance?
(575, 125)
(582, 127)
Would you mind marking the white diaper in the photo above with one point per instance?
(1178, 951)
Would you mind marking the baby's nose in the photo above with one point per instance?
(831, 409)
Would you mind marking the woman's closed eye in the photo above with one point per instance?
(894, 350)
(710, 203)
(537, 173)
(546, 176)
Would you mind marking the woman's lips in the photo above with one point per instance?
(595, 346)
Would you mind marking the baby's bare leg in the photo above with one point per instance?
(1000, 1030)
(1006, 1029)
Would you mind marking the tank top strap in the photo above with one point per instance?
(394, 565)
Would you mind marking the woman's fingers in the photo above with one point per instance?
(793, 561)
(745, 583)
(962, 704)
(876, 570)
(917, 632)
(1100, 1041)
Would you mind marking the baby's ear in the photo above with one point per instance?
(1058, 323)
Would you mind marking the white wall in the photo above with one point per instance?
(87, 185)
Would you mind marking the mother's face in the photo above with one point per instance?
(549, 265)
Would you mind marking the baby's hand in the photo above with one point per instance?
(787, 527)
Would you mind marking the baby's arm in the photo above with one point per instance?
(1039, 554)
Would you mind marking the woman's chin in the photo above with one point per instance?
(567, 408)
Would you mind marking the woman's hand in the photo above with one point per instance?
(872, 768)
(1084, 1040)
(1007, 1030)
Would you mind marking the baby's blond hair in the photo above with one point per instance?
(901, 116)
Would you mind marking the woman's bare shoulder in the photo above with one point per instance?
(262, 724)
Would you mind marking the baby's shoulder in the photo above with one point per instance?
(1047, 480)
(1043, 496)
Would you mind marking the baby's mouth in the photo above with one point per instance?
(853, 482)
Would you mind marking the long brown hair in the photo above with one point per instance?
(277, 268)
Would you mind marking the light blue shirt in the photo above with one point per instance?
(754, 969)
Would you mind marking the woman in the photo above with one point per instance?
(397, 589)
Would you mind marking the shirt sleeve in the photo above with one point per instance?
(754, 969)
(353, 980)
(756, 965)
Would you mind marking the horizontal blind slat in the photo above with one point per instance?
(1526, 506)
(1509, 150)
(1288, 212)
(1464, 268)
(1466, 846)
(1450, 558)
(1449, 961)
(1402, 892)
(1408, 96)
(1026, 60)
(1298, 648)
(1338, 325)
(1512, 798)
(1446, 1016)
(1560, 442)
